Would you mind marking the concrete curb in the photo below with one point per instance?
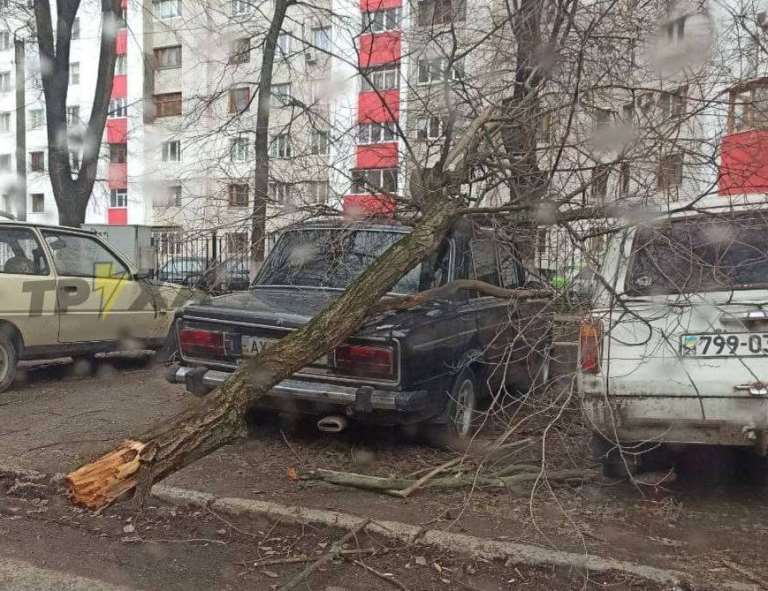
(407, 533)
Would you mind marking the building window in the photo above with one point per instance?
(239, 99)
(168, 105)
(74, 73)
(5, 122)
(603, 118)
(376, 180)
(5, 40)
(280, 146)
(431, 128)
(75, 32)
(381, 79)
(38, 203)
(282, 92)
(283, 45)
(600, 175)
(628, 113)
(118, 198)
(118, 153)
(670, 172)
(382, 20)
(441, 12)
(319, 142)
(436, 70)
(240, 51)
(625, 172)
(240, 149)
(375, 133)
(237, 243)
(748, 108)
(679, 102)
(674, 30)
(118, 108)
(37, 161)
(318, 192)
(174, 195)
(73, 115)
(5, 162)
(321, 39)
(171, 151)
(167, 8)
(5, 82)
(238, 195)
(168, 57)
(121, 65)
(239, 7)
(280, 193)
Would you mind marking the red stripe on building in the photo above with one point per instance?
(121, 42)
(379, 49)
(376, 107)
(744, 163)
(117, 131)
(377, 156)
(120, 86)
(374, 5)
(117, 175)
(117, 216)
(361, 206)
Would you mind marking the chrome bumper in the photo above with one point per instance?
(361, 398)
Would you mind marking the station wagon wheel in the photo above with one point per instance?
(8, 359)
(462, 407)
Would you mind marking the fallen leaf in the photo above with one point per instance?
(293, 474)
(270, 573)
(420, 560)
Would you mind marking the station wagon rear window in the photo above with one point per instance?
(702, 254)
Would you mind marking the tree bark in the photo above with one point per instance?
(196, 434)
(72, 195)
(261, 141)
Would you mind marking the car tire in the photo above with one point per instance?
(9, 357)
(462, 412)
(613, 462)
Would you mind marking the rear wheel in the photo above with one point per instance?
(8, 360)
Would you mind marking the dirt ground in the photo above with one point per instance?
(707, 524)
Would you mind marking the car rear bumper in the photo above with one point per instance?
(734, 420)
(318, 397)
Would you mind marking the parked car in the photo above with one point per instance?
(432, 364)
(183, 270)
(676, 352)
(65, 292)
(233, 274)
(582, 288)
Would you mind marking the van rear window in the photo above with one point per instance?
(708, 253)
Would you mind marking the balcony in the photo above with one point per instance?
(378, 49)
(380, 107)
(744, 163)
(117, 175)
(362, 206)
(377, 155)
(117, 130)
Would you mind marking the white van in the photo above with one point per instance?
(675, 350)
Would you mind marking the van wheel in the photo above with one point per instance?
(462, 407)
(614, 463)
(8, 359)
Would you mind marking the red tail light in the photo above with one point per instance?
(590, 337)
(202, 343)
(365, 361)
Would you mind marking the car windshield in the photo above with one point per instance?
(330, 258)
(712, 253)
(180, 266)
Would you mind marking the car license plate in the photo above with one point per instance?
(740, 344)
(252, 346)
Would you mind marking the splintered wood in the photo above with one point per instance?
(99, 483)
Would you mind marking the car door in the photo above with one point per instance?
(27, 286)
(99, 298)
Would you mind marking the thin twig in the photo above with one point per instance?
(746, 573)
(290, 447)
(189, 541)
(389, 579)
(300, 559)
(406, 492)
(334, 552)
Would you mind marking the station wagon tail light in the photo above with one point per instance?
(370, 361)
(202, 343)
(590, 336)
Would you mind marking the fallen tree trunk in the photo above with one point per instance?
(220, 420)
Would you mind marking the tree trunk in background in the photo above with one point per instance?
(221, 419)
(261, 142)
(72, 195)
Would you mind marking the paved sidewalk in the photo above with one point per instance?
(16, 575)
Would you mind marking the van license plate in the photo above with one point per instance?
(740, 344)
(252, 346)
